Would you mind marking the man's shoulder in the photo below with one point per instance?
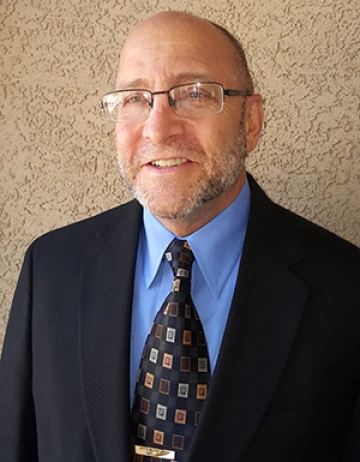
(286, 227)
(90, 232)
(315, 237)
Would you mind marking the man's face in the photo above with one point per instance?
(175, 165)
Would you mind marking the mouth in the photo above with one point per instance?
(167, 163)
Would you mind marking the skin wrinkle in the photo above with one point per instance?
(184, 77)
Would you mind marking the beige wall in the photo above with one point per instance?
(57, 159)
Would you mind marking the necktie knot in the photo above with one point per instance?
(180, 257)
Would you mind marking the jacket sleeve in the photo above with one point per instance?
(352, 451)
(17, 416)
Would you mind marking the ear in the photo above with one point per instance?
(254, 117)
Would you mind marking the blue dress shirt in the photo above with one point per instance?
(217, 249)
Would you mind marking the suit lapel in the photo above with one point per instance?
(266, 311)
(104, 332)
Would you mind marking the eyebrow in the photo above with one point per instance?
(183, 77)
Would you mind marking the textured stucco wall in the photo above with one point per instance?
(57, 160)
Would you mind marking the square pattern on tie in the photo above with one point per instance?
(174, 371)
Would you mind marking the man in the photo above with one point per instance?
(278, 297)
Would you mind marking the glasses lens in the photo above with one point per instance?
(127, 105)
(197, 99)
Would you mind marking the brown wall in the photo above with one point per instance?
(57, 160)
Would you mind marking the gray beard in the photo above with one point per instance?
(211, 189)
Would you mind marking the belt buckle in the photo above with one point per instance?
(148, 451)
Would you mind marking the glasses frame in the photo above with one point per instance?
(225, 93)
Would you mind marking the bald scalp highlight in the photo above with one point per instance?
(240, 63)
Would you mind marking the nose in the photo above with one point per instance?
(162, 123)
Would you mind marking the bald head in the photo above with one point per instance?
(186, 28)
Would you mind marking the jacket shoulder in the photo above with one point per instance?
(316, 238)
(88, 234)
(281, 229)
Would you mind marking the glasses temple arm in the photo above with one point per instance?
(237, 93)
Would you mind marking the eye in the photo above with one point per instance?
(134, 98)
(197, 93)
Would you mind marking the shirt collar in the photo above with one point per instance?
(216, 246)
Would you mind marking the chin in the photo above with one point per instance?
(167, 211)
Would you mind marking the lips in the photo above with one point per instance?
(167, 163)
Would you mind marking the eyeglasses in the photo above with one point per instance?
(186, 100)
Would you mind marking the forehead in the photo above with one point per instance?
(173, 51)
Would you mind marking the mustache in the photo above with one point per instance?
(148, 151)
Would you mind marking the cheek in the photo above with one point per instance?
(126, 140)
(215, 139)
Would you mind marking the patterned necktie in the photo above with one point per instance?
(174, 373)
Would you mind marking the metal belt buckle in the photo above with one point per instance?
(154, 452)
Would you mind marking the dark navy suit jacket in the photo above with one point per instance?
(286, 384)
